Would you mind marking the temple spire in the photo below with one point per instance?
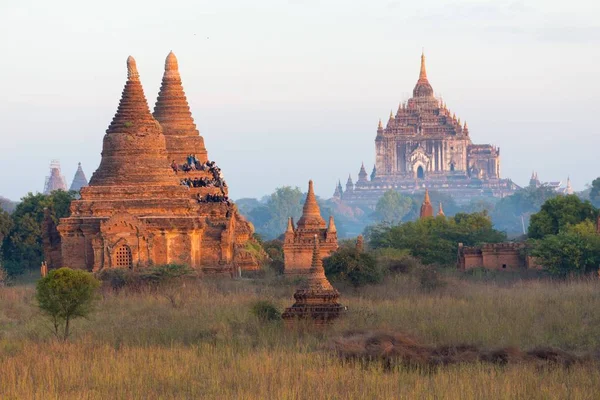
(132, 72)
(317, 263)
(441, 210)
(173, 112)
(331, 228)
(380, 125)
(311, 213)
(426, 208)
(423, 72)
(290, 226)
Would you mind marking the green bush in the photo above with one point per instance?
(356, 267)
(265, 311)
(152, 277)
(65, 294)
(429, 279)
(396, 261)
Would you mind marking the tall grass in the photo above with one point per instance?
(137, 345)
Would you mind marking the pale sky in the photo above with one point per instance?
(288, 91)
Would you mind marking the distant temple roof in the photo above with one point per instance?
(79, 180)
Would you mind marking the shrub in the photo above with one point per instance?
(265, 311)
(429, 279)
(64, 295)
(396, 261)
(357, 267)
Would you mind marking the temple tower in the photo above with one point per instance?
(426, 207)
(173, 112)
(315, 299)
(136, 212)
(297, 246)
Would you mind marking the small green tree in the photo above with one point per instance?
(558, 213)
(65, 294)
(357, 267)
(573, 251)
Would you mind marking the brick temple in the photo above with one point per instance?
(155, 198)
(424, 145)
(298, 241)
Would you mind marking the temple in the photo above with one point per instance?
(298, 241)
(315, 299)
(426, 207)
(79, 180)
(55, 181)
(424, 145)
(141, 209)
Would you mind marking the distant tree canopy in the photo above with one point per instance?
(435, 240)
(559, 212)
(512, 212)
(270, 220)
(22, 245)
(595, 192)
(392, 207)
(357, 267)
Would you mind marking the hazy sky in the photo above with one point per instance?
(287, 91)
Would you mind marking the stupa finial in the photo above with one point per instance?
(132, 72)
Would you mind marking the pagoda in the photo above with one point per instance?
(137, 210)
(79, 180)
(424, 145)
(315, 299)
(298, 240)
(426, 207)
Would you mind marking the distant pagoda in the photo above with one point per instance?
(315, 298)
(298, 240)
(79, 180)
(138, 211)
(424, 145)
(55, 181)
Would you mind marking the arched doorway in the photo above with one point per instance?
(451, 166)
(123, 257)
(420, 172)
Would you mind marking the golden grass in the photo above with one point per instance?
(137, 346)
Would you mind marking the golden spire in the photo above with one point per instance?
(459, 121)
(290, 226)
(391, 114)
(423, 72)
(380, 125)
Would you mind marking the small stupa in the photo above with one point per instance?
(315, 299)
(426, 207)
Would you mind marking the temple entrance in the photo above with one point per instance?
(123, 257)
(420, 173)
(452, 167)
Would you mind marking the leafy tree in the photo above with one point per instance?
(595, 192)
(65, 294)
(435, 240)
(393, 206)
(574, 250)
(357, 267)
(558, 213)
(22, 247)
(271, 219)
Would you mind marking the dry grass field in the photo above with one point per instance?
(202, 341)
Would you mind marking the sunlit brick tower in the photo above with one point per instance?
(315, 299)
(298, 241)
(135, 213)
(426, 207)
